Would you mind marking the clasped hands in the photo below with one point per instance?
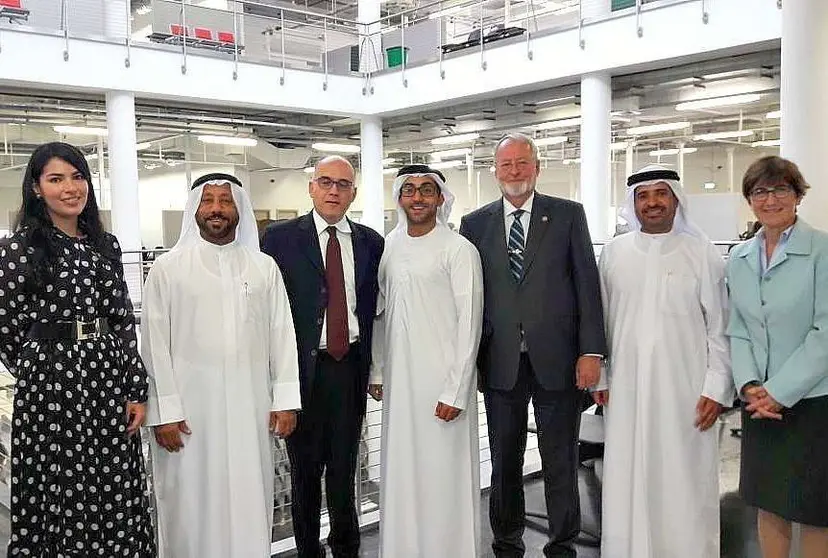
(761, 404)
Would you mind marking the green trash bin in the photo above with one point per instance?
(395, 56)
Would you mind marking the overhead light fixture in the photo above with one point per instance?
(767, 143)
(554, 140)
(618, 146)
(723, 135)
(716, 102)
(440, 155)
(336, 147)
(309, 170)
(81, 131)
(459, 138)
(388, 161)
(558, 124)
(664, 152)
(492, 169)
(447, 164)
(390, 170)
(709, 185)
(572, 161)
(657, 128)
(143, 145)
(228, 140)
(774, 114)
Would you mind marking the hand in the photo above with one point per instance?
(601, 397)
(753, 392)
(168, 436)
(136, 413)
(707, 411)
(764, 407)
(588, 371)
(375, 391)
(446, 412)
(282, 423)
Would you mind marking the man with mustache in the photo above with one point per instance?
(668, 377)
(543, 340)
(330, 268)
(220, 352)
(425, 345)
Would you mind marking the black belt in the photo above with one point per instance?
(77, 330)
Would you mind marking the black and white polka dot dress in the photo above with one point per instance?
(78, 483)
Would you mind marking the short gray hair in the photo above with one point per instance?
(518, 137)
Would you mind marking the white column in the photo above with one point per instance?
(123, 184)
(371, 187)
(731, 169)
(596, 103)
(370, 40)
(804, 111)
(680, 165)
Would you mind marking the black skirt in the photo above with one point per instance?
(785, 463)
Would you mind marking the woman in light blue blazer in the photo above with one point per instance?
(778, 329)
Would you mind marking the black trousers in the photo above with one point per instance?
(557, 414)
(326, 440)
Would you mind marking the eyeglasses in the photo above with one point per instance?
(326, 183)
(426, 190)
(761, 193)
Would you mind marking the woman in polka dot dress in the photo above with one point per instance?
(67, 334)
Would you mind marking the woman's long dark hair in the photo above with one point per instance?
(33, 220)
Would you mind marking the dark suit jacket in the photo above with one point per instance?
(294, 245)
(557, 302)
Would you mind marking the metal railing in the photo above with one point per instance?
(288, 37)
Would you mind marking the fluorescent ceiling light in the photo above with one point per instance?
(309, 170)
(336, 147)
(663, 152)
(774, 114)
(709, 185)
(618, 146)
(572, 161)
(390, 170)
(451, 140)
(388, 161)
(228, 140)
(143, 145)
(80, 131)
(554, 140)
(557, 124)
(657, 128)
(492, 169)
(447, 164)
(723, 135)
(767, 143)
(702, 104)
(439, 155)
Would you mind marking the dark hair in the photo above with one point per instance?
(773, 169)
(33, 220)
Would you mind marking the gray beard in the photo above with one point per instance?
(516, 190)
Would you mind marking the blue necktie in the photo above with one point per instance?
(515, 246)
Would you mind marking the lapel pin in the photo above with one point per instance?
(544, 218)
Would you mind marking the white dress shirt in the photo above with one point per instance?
(509, 209)
(346, 245)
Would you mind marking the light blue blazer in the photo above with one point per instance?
(778, 325)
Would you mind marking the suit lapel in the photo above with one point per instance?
(312, 249)
(360, 254)
(538, 224)
(494, 238)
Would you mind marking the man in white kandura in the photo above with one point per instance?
(669, 376)
(220, 352)
(430, 312)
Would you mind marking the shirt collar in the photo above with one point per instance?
(782, 238)
(508, 208)
(342, 226)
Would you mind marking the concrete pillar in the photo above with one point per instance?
(596, 103)
(371, 187)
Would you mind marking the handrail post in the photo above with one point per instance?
(235, 40)
(128, 59)
(403, 23)
(284, 59)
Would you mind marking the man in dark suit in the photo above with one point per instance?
(543, 339)
(330, 269)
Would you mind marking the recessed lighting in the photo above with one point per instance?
(702, 104)
(309, 170)
(774, 114)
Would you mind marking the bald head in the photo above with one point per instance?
(332, 188)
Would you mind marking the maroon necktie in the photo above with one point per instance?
(337, 330)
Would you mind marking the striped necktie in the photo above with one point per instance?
(516, 244)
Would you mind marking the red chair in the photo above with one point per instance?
(17, 4)
(203, 34)
(226, 37)
(175, 29)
